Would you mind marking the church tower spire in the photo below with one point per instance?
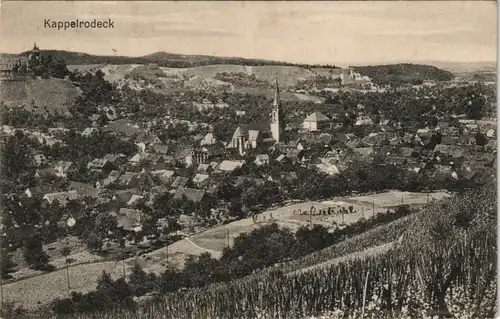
(277, 101)
(277, 115)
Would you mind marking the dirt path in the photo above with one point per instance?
(213, 252)
(43, 288)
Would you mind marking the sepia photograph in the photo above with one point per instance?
(248, 160)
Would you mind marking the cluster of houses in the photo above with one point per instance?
(187, 172)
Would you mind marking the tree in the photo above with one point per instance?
(138, 280)
(481, 140)
(204, 270)
(34, 255)
(99, 229)
(6, 264)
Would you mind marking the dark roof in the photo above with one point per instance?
(263, 127)
(110, 158)
(160, 148)
(316, 117)
(77, 186)
(90, 192)
(122, 126)
(406, 151)
(179, 182)
(41, 190)
(128, 177)
(194, 195)
(46, 172)
(124, 196)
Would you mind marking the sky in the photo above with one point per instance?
(301, 32)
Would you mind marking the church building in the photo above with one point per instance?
(250, 136)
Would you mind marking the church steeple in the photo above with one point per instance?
(277, 101)
(277, 115)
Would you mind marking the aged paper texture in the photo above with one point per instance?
(248, 159)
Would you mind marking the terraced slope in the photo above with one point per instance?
(40, 96)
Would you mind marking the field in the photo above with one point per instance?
(286, 75)
(84, 275)
(216, 238)
(49, 95)
(202, 77)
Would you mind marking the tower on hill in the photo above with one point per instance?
(277, 116)
(34, 57)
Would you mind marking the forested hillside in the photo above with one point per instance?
(163, 59)
(396, 74)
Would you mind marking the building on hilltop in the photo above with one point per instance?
(17, 68)
(34, 57)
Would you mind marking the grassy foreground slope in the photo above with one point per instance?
(450, 244)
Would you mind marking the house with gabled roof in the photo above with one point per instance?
(229, 166)
(63, 198)
(164, 175)
(293, 155)
(63, 168)
(89, 131)
(179, 181)
(450, 150)
(112, 178)
(147, 139)
(281, 158)
(467, 140)
(128, 179)
(385, 150)
(101, 164)
(200, 179)
(208, 139)
(39, 191)
(134, 199)
(45, 173)
(327, 168)
(406, 151)
(130, 219)
(450, 140)
(123, 196)
(262, 159)
(316, 121)
(395, 160)
(214, 165)
(363, 120)
(194, 195)
(204, 168)
(364, 151)
(78, 186)
(408, 138)
(159, 149)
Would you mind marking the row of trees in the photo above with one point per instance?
(258, 249)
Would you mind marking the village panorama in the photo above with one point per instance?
(174, 186)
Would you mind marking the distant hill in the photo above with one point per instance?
(40, 96)
(402, 73)
(210, 75)
(163, 59)
(465, 67)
